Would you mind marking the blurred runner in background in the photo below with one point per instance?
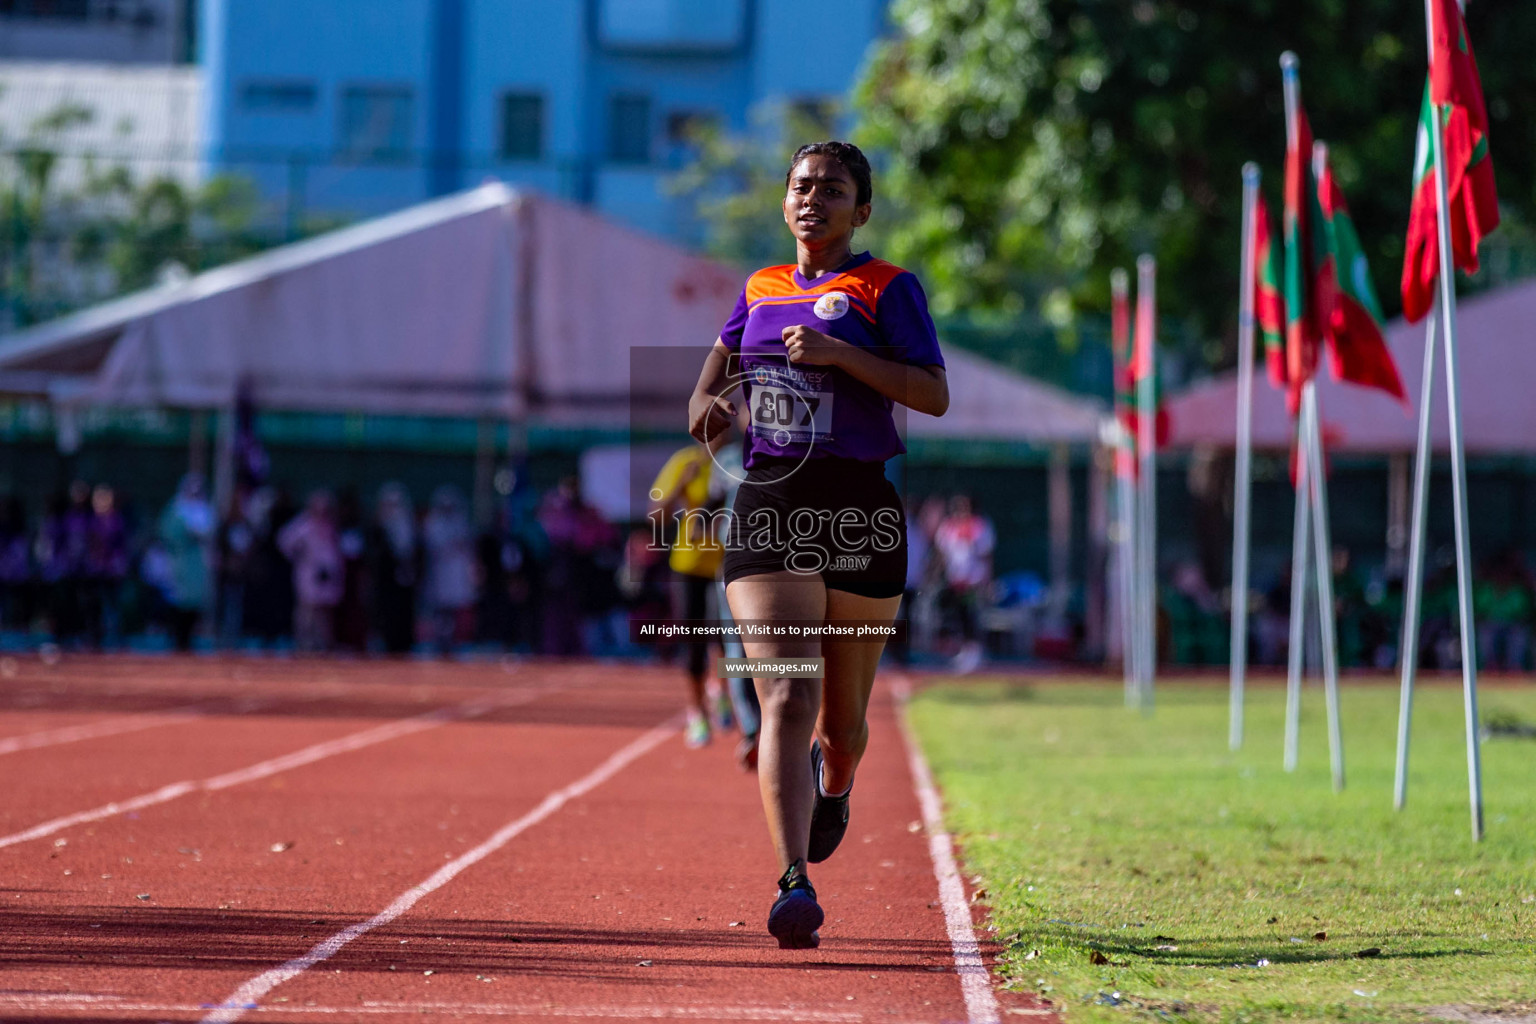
(686, 495)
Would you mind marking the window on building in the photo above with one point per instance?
(675, 25)
(278, 96)
(522, 126)
(63, 10)
(376, 122)
(629, 129)
(141, 14)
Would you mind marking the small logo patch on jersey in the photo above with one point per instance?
(832, 305)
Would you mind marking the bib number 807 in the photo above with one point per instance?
(790, 415)
(777, 408)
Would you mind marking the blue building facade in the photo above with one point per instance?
(357, 107)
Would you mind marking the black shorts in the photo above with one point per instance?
(839, 519)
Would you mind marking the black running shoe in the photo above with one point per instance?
(829, 815)
(796, 915)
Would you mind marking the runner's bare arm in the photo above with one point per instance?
(922, 388)
(708, 411)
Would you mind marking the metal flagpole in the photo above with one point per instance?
(1413, 575)
(1300, 536)
(1300, 539)
(1130, 614)
(1324, 545)
(1458, 461)
(1242, 487)
(1146, 426)
(1125, 513)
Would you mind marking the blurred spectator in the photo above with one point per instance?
(268, 591)
(449, 584)
(62, 540)
(1503, 609)
(237, 542)
(583, 561)
(186, 526)
(1381, 627)
(1271, 620)
(604, 629)
(1198, 626)
(352, 611)
(394, 567)
(312, 544)
(106, 565)
(560, 516)
(1350, 609)
(1440, 629)
(16, 581)
(501, 560)
(644, 580)
(965, 542)
(526, 555)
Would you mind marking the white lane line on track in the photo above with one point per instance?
(975, 980)
(120, 724)
(95, 730)
(297, 759)
(244, 999)
(42, 1002)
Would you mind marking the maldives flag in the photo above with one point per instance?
(1470, 196)
(1120, 347)
(1268, 300)
(1131, 361)
(1143, 364)
(1305, 250)
(1351, 316)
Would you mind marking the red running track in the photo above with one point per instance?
(196, 840)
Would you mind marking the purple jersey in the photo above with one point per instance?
(799, 409)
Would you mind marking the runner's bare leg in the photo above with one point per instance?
(851, 664)
(790, 706)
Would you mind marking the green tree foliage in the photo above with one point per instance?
(67, 242)
(1032, 145)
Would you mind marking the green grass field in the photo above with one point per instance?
(1135, 868)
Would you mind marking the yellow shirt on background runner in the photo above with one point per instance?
(694, 552)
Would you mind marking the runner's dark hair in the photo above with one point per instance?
(845, 153)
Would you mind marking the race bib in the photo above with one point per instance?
(787, 417)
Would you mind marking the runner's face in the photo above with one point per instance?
(821, 204)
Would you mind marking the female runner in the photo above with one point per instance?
(823, 350)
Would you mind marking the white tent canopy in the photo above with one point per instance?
(1496, 350)
(491, 303)
(488, 303)
(992, 402)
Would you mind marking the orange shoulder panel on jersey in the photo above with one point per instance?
(875, 276)
(864, 284)
(771, 282)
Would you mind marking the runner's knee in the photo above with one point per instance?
(786, 700)
(843, 738)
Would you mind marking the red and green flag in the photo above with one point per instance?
(1454, 96)
(1143, 365)
(1305, 249)
(1268, 299)
(1120, 346)
(1351, 316)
